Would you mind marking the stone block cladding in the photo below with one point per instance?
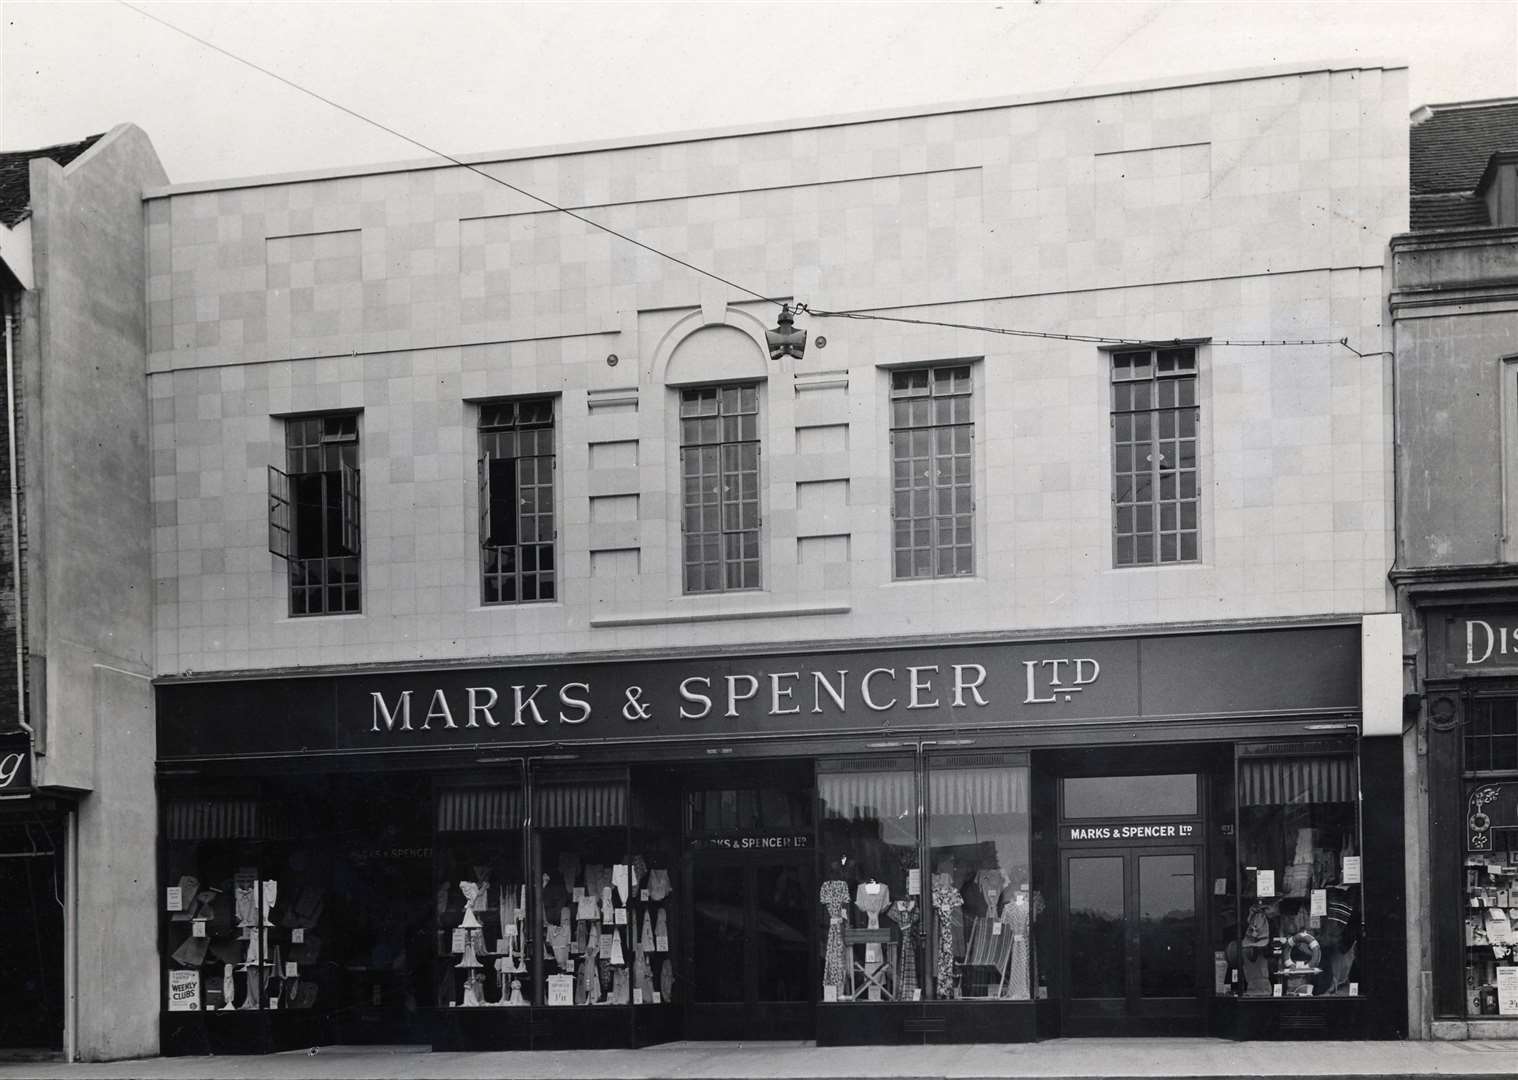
(1256, 207)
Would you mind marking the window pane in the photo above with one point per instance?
(978, 844)
(1298, 823)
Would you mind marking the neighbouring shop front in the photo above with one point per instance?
(993, 841)
(1470, 701)
(33, 894)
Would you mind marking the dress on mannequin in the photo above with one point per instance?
(834, 896)
(1016, 915)
(904, 914)
(946, 905)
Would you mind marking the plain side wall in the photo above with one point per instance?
(89, 603)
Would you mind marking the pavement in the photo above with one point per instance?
(1086, 1059)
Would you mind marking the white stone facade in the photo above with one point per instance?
(1253, 207)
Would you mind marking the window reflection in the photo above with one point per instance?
(982, 899)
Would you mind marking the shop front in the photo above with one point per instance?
(34, 831)
(1470, 700)
(990, 841)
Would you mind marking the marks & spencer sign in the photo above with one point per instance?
(820, 692)
(1131, 832)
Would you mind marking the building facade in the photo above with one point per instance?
(1456, 338)
(538, 628)
(77, 805)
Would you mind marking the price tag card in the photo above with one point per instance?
(996, 929)
(914, 882)
(198, 928)
(174, 898)
(1351, 870)
(658, 999)
(1354, 989)
(830, 993)
(292, 969)
(460, 940)
(1265, 883)
(643, 895)
(917, 993)
(1220, 887)
(637, 996)
(297, 936)
(1276, 990)
(621, 916)
(1319, 902)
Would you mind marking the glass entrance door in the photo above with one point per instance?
(1132, 953)
(749, 946)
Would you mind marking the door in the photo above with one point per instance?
(749, 946)
(1133, 951)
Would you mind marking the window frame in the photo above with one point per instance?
(340, 493)
(934, 549)
(1157, 502)
(553, 573)
(724, 561)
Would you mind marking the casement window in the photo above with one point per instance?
(719, 466)
(932, 472)
(1155, 485)
(315, 513)
(517, 525)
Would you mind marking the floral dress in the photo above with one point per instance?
(834, 896)
(946, 902)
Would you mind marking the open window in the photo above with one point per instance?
(316, 513)
(516, 490)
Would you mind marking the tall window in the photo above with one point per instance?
(314, 513)
(1154, 457)
(719, 463)
(932, 435)
(517, 530)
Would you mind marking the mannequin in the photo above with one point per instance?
(904, 914)
(946, 902)
(1016, 916)
(834, 896)
(872, 897)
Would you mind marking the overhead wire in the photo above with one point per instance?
(448, 157)
(819, 313)
(1095, 339)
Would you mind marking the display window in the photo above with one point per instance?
(484, 934)
(871, 890)
(1491, 857)
(981, 898)
(1298, 840)
(605, 908)
(308, 895)
(245, 907)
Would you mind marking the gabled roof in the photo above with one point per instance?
(15, 180)
(1449, 147)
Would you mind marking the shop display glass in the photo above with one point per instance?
(605, 909)
(870, 898)
(1491, 898)
(244, 908)
(656, 911)
(483, 932)
(982, 905)
(1299, 866)
(1491, 858)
